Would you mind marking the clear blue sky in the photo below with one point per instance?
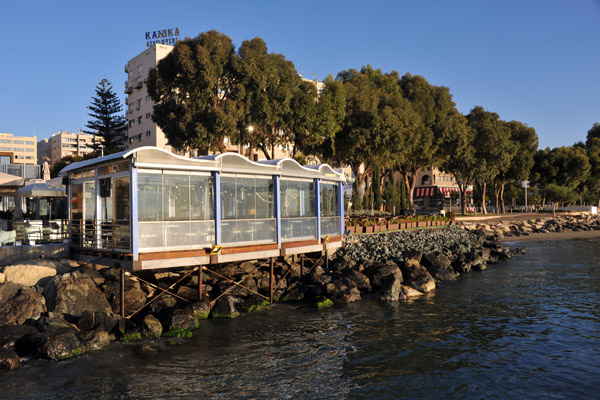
(534, 61)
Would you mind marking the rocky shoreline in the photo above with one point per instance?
(58, 309)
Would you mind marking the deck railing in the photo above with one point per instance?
(105, 235)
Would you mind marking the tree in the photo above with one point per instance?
(493, 147)
(273, 99)
(195, 91)
(592, 147)
(376, 118)
(526, 142)
(104, 109)
(435, 116)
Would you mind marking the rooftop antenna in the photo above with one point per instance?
(315, 75)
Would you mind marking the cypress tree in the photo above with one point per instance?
(105, 108)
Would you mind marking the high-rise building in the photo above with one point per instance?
(141, 130)
(63, 144)
(20, 149)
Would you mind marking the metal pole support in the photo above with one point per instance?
(271, 281)
(200, 272)
(122, 293)
(301, 265)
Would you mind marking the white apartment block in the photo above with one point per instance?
(62, 144)
(20, 149)
(141, 130)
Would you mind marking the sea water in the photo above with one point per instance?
(526, 328)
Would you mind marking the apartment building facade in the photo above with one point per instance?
(18, 149)
(62, 144)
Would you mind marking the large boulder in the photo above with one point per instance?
(151, 327)
(8, 360)
(379, 273)
(53, 323)
(73, 294)
(18, 304)
(361, 280)
(101, 321)
(390, 289)
(51, 345)
(342, 290)
(225, 308)
(10, 334)
(417, 277)
(407, 293)
(135, 297)
(28, 274)
(179, 320)
(93, 340)
(439, 266)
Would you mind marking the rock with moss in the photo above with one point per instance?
(178, 318)
(93, 340)
(51, 345)
(254, 303)
(179, 333)
(131, 337)
(151, 327)
(225, 308)
(200, 309)
(324, 303)
(8, 360)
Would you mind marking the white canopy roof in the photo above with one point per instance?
(157, 158)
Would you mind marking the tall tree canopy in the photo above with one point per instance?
(437, 116)
(592, 147)
(194, 89)
(105, 109)
(376, 119)
(493, 147)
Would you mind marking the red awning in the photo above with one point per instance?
(424, 192)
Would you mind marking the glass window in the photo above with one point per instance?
(18, 142)
(264, 198)
(329, 200)
(121, 193)
(228, 204)
(201, 195)
(77, 201)
(89, 200)
(297, 198)
(149, 197)
(176, 197)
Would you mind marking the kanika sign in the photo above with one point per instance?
(166, 36)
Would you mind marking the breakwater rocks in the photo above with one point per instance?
(563, 223)
(58, 309)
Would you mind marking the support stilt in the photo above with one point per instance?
(301, 265)
(200, 283)
(122, 293)
(271, 281)
(326, 261)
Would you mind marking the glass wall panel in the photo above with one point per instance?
(175, 211)
(330, 226)
(247, 206)
(89, 200)
(201, 195)
(122, 204)
(264, 198)
(149, 197)
(77, 201)
(228, 196)
(298, 209)
(329, 200)
(176, 197)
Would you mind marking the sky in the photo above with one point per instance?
(533, 61)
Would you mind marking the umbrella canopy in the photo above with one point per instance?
(8, 182)
(40, 190)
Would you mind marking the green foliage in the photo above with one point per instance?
(324, 303)
(395, 196)
(256, 307)
(357, 198)
(179, 333)
(131, 337)
(194, 90)
(75, 353)
(105, 109)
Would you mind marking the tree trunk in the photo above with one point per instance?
(502, 197)
(483, 188)
(497, 196)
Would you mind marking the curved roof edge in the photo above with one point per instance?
(225, 162)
